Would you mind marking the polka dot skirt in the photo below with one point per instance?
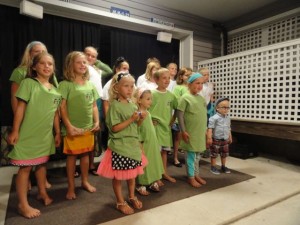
(120, 162)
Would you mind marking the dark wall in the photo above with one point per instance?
(265, 12)
(62, 35)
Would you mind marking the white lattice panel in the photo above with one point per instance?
(283, 30)
(245, 41)
(263, 84)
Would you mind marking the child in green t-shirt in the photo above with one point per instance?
(163, 105)
(80, 118)
(123, 159)
(32, 133)
(191, 112)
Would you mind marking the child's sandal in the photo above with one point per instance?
(142, 190)
(124, 208)
(137, 204)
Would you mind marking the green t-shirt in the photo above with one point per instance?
(163, 104)
(80, 99)
(195, 120)
(19, 74)
(36, 131)
(154, 169)
(180, 90)
(126, 141)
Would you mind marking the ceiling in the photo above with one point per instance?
(217, 10)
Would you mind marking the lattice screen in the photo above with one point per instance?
(245, 41)
(263, 84)
(284, 30)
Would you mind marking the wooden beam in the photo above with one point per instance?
(290, 132)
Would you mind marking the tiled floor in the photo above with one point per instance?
(271, 198)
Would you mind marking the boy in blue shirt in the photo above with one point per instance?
(219, 135)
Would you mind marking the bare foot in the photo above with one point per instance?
(28, 211)
(88, 187)
(70, 195)
(200, 180)
(160, 183)
(48, 185)
(192, 181)
(169, 178)
(45, 198)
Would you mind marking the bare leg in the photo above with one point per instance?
(22, 187)
(40, 173)
(122, 206)
(71, 164)
(165, 175)
(176, 137)
(84, 167)
(91, 160)
(223, 161)
(137, 204)
(213, 161)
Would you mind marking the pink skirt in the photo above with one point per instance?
(30, 162)
(105, 168)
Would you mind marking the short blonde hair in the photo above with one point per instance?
(69, 66)
(159, 72)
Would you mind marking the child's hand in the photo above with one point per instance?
(135, 116)
(12, 138)
(143, 115)
(208, 142)
(185, 136)
(57, 140)
(74, 131)
(96, 127)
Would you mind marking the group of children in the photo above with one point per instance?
(138, 121)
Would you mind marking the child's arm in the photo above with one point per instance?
(185, 135)
(71, 130)
(120, 126)
(209, 137)
(96, 126)
(56, 124)
(173, 118)
(18, 118)
(230, 138)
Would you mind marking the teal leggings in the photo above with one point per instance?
(192, 163)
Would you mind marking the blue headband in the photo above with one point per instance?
(193, 77)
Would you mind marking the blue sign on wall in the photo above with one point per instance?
(119, 11)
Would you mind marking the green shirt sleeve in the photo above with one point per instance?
(106, 70)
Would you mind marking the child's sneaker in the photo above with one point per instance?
(225, 169)
(214, 170)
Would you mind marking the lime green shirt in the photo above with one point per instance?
(180, 90)
(19, 74)
(154, 170)
(195, 120)
(161, 111)
(36, 131)
(80, 99)
(125, 142)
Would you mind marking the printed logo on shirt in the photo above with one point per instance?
(89, 96)
(57, 101)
